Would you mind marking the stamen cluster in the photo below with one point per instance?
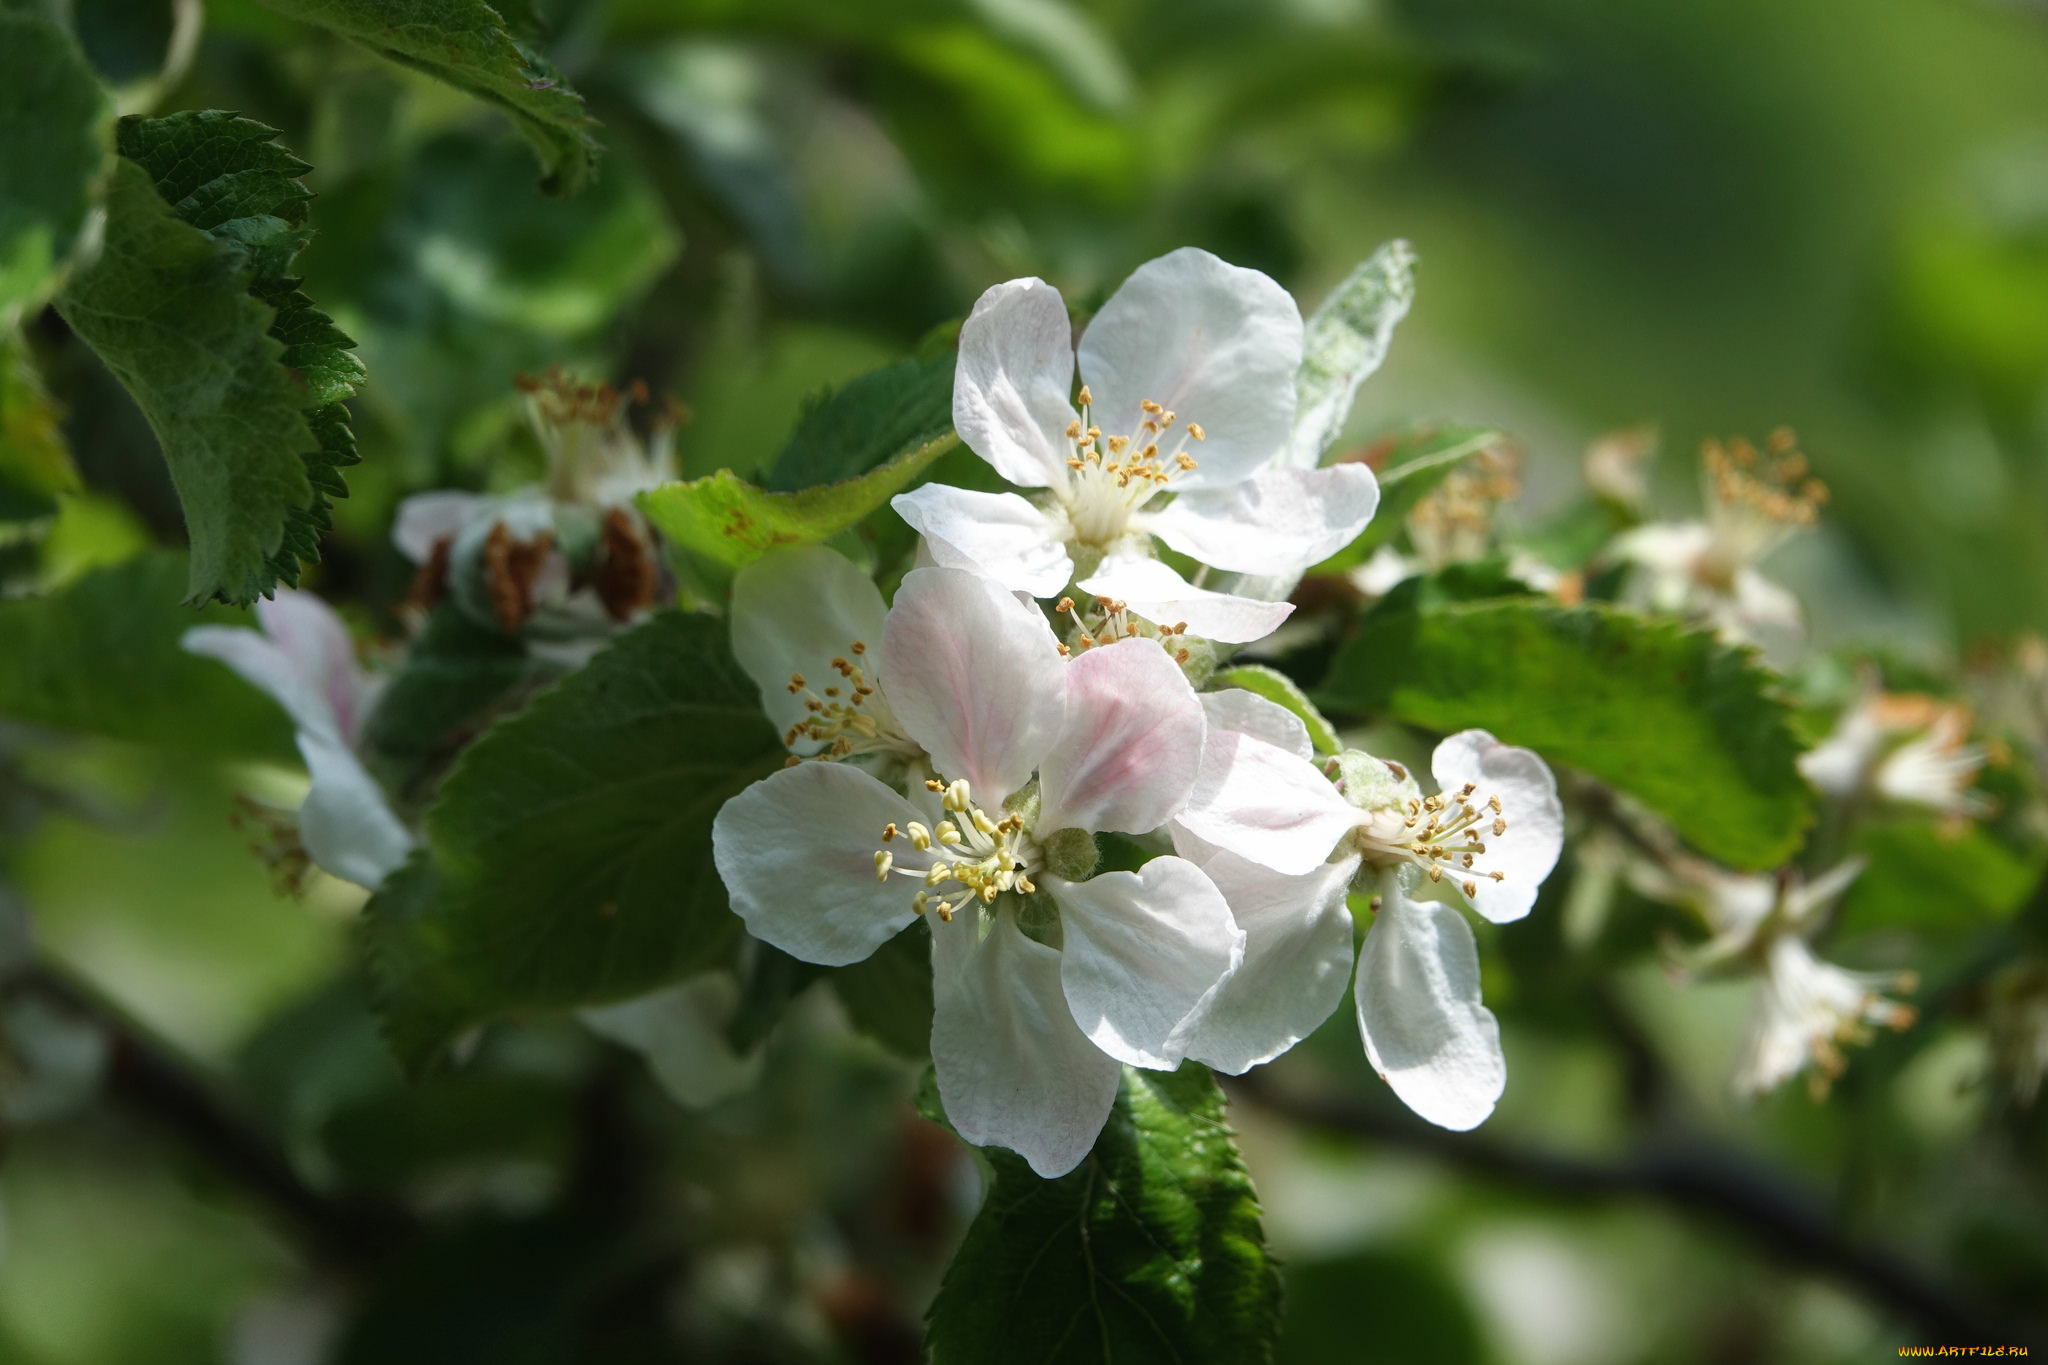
(1438, 834)
(840, 718)
(989, 856)
(1114, 476)
(1112, 621)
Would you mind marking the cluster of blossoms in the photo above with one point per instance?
(958, 759)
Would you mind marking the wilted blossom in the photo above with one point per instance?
(1298, 842)
(303, 657)
(1180, 432)
(1807, 1010)
(1046, 977)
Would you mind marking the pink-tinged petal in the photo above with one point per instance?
(680, 1031)
(1141, 950)
(1157, 593)
(975, 676)
(1013, 1068)
(999, 535)
(318, 644)
(1011, 387)
(795, 611)
(1418, 1010)
(345, 824)
(424, 520)
(1297, 958)
(264, 664)
(1266, 804)
(1528, 847)
(1215, 343)
(1279, 521)
(1127, 757)
(1248, 713)
(796, 851)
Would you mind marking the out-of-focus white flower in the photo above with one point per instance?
(1045, 977)
(1905, 748)
(680, 1030)
(1285, 844)
(1707, 570)
(303, 657)
(1186, 414)
(1806, 1009)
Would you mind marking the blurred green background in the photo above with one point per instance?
(1718, 218)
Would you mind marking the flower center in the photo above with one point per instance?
(1438, 834)
(1112, 621)
(971, 854)
(1114, 476)
(1755, 499)
(594, 455)
(851, 717)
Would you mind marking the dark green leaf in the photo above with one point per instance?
(1416, 1310)
(53, 143)
(1150, 1250)
(888, 995)
(1281, 690)
(771, 980)
(1692, 728)
(35, 466)
(465, 43)
(568, 855)
(868, 422)
(1415, 461)
(457, 676)
(102, 657)
(1925, 876)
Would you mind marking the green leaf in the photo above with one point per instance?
(102, 657)
(1282, 690)
(192, 306)
(729, 520)
(868, 421)
(1925, 876)
(457, 677)
(53, 142)
(465, 43)
(1415, 461)
(888, 994)
(35, 465)
(1150, 1250)
(1344, 342)
(1692, 728)
(568, 855)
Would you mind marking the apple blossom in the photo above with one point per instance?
(1045, 977)
(1284, 845)
(1904, 748)
(1182, 431)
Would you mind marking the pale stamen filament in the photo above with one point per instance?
(1439, 834)
(983, 856)
(1113, 477)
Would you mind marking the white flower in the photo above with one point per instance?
(1806, 1009)
(1754, 502)
(1905, 748)
(303, 657)
(1045, 978)
(1186, 412)
(680, 1030)
(1284, 845)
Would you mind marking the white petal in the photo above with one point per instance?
(264, 664)
(1215, 343)
(1142, 949)
(1528, 849)
(1011, 387)
(680, 1030)
(997, 534)
(1014, 1071)
(1418, 1010)
(1159, 594)
(796, 851)
(1266, 804)
(1279, 521)
(1297, 958)
(1248, 713)
(975, 676)
(346, 825)
(795, 611)
(424, 520)
(1127, 757)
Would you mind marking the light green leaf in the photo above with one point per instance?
(466, 44)
(1150, 1250)
(102, 657)
(53, 144)
(1344, 343)
(869, 421)
(568, 855)
(1927, 877)
(1282, 690)
(1415, 461)
(1692, 728)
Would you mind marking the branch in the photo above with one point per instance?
(146, 1078)
(1783, 1218)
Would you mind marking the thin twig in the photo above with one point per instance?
(1788, 1221)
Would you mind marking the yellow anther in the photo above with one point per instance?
(919, 901)
(1498, 876)
(796, 682)
(982, 822)
(1471, 888)
(947, 833)
(883, 862)
(1026, 885)
(1500, 827)
(1195, 430)
(1184, 460)
(888, 831)
(1074, 430)
(1149, 406)
(920, 837)
(932, 784)
(859, 648)
(936, 873)
(958, 796)
(1087, 399)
